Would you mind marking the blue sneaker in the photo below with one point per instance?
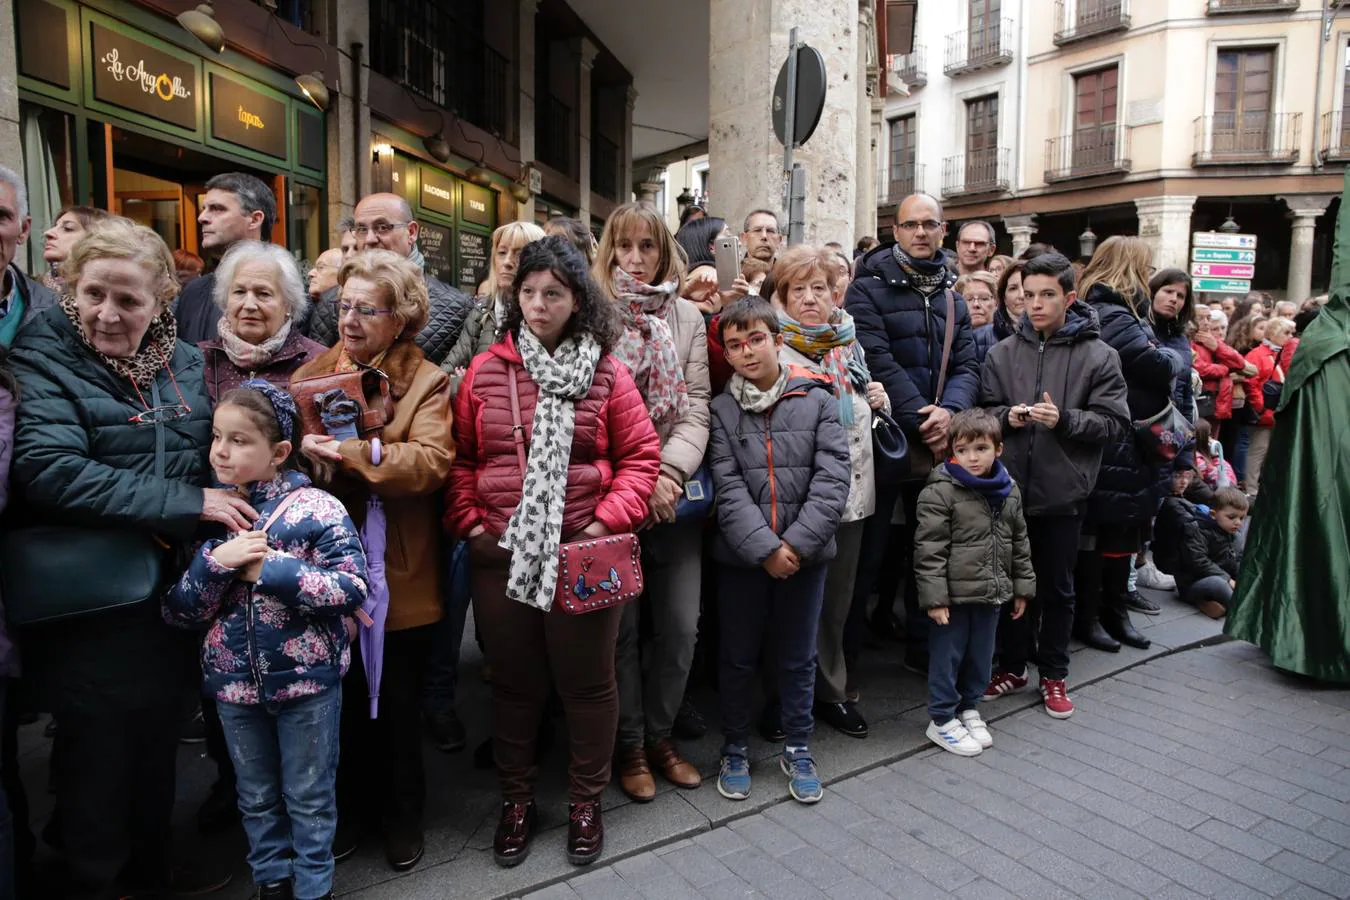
(733, 781)
(803, 780)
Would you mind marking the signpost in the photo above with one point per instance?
(798, 101)
(1223, 263)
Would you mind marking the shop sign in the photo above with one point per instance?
(438, 192)
(477, 205)
(1222, 270)
(1222, 285)
(136, 76)
(473, 260)
(1223, 241)
(43, 51)
(435, 243)
(246, 117)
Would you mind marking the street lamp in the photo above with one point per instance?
(1087, 242)
(1229, 226)
(201, 23)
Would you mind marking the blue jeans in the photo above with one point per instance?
(442, 677)
(1244, 440)
(960, 656)
(6, 827)
(1211, 587)
(285, 762)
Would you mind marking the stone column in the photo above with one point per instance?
(586, 52)
(626, 176)
(748, 42)
(525, 77)
(868, 86)
(1021, 228)
(1165, 224)
(11, 144)
(1304, 211)
(646, 189)
(349, 156)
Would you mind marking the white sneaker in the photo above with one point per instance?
(977, 729)
(1149, 577)
(954, 738)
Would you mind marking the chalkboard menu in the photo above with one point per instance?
(246, 117)
(473, 260)
(137, 76)
(436, 248)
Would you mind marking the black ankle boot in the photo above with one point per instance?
(276, 890)
(1092, 634)
(1116, 620)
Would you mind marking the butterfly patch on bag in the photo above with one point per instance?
(611, 585)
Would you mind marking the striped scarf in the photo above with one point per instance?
(835, 347)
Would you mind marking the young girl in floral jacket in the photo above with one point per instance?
(275, 599)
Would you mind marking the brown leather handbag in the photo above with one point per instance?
(593, 573)
(341, 398)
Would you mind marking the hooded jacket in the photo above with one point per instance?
(901, 332)
(1189, 545)
(283, 637)
(1057, 467)
(615, 459)
(1171, 333)
(781, 475)
(964, 552)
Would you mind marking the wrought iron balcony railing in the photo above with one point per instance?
(1082, 19)
(1255, 137)
(982, 48)
(976, 172)
(1099, 150)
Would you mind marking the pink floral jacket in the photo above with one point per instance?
(284, 637)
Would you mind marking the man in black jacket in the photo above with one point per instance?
(385, 222)
(21, 298)
(899, 309)
(237, 207)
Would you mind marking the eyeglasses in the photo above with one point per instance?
(973, 245)
(380, 228)
(156, 415)
(754, 343)
(769, 230)
(926, 225)
(362, 311)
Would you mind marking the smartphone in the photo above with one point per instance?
(727, 253)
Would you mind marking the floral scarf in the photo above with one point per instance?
(647, 346)
(251, 356)
(535, 530)
(752, 399)
(154, 353)
(834, 346)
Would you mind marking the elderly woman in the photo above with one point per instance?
(665, 345)
(110, 446)
(261, 297)
(382, 305)
(489, 310)
(819, 336)
(70, 225)
(594, 455)
(979, 290)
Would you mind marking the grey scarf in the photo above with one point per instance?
(751, 398)
(416, 258)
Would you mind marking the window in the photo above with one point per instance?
(984, 27)
(902, 157)
(900, 26)
(1243, 84)
(982, 141)
(1094, 118)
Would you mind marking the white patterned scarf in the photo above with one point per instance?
(752, 399)
(647, 346)
(535, 531)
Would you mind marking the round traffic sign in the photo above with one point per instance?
(810, 99)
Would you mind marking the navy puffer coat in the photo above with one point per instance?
(1130, 488)
(901, 331)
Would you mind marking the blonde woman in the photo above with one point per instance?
(664, 344)
(1129, 487)
(489, 309)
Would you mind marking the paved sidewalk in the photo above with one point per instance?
(1201, 774)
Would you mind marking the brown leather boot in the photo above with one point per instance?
(515, 830)
(665, 757)
(585, 833)
(635, 776)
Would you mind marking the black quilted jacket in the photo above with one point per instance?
(449, 308)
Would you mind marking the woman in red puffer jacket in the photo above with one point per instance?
(1217, 363)
(586, 464)
(1265, 356)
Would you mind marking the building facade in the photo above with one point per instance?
(1069, 121)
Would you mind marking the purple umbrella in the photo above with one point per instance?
(376, 608)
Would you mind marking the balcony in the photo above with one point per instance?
(911, 68)
(1259, 137)
(1082, 19)
(1234, 7)
(978, 172)
(985, 48)
(898, 183)
(1102, 150)
(1335, 137)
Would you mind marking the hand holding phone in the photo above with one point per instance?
(727, 253)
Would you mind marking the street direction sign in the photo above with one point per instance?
(1222, 240)
(1222, 270)
(1222, 285)
(1210, 255)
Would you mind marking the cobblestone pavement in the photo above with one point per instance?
(1205, 773)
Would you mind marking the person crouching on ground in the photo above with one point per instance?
(970, 515)
(780, 462)
(1200, 546)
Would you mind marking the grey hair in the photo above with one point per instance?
(288, 274)
(345, 224)
(11, 178)
(762, 212)
(253, 194)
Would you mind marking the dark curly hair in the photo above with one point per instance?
(596, 314)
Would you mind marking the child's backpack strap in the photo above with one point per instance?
(281, 508)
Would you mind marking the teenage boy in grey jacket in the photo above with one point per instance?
(1059, 394)
(780, 464)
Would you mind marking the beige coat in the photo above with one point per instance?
(684, 442)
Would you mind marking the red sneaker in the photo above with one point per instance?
(1057, 702)
(1005, 683)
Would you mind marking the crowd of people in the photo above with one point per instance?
(620, 460)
